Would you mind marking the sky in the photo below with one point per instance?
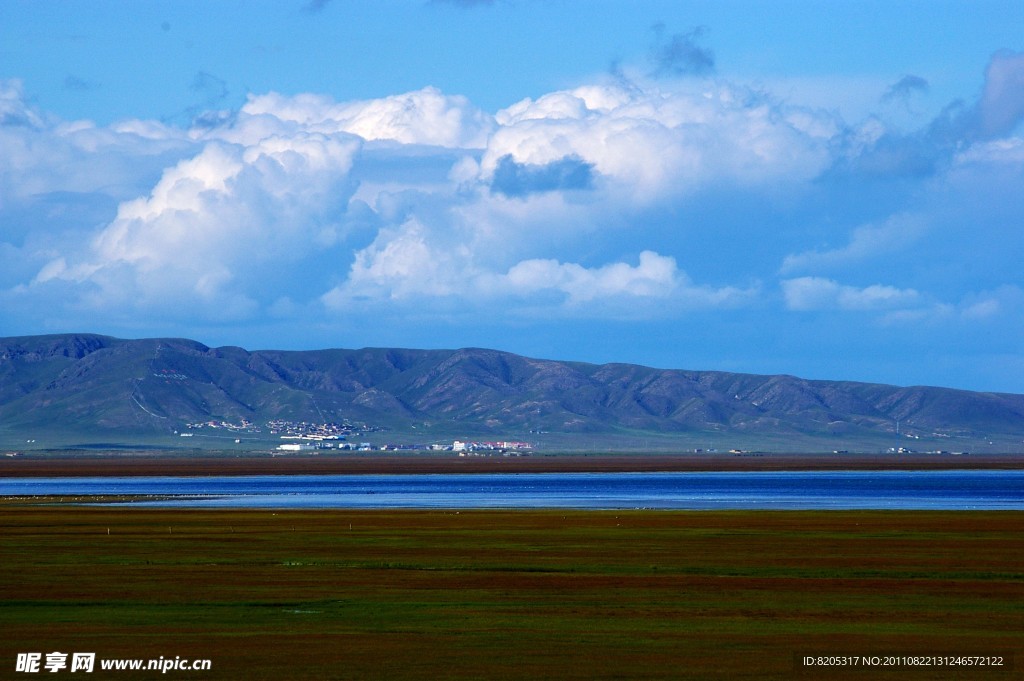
(831, 190)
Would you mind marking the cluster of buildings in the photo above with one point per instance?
(317, 431)
(306, 443)
(246, 426)
(504, 445)
(296, 430)
(302, 436)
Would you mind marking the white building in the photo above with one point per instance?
(296, 447)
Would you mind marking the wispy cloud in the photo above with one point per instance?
(15, 110)
(679, 54)
(463, 3)
(997, 113)
(211, 88)
(903, 89)
(867, 241)
(1001, 107)
(817, 293)
(76, 84)
(315, 6)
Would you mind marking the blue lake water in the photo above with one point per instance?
(956, 490)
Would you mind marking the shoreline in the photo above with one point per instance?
(161, 464)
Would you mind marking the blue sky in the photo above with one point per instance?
(824, 189)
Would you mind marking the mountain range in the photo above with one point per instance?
(94, 383)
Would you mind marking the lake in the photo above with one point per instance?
(938, 490)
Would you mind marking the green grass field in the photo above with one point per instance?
(511, 594)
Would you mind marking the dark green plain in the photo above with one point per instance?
(340, 594)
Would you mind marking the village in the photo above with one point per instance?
(287, 429)
(304, 436)
(462, 448)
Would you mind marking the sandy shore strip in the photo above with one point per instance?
(165, 464)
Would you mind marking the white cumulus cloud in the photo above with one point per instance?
(654, 276)
(212, 218)
(425, 116)
(406, 267)
(653, 141)
(400, 264)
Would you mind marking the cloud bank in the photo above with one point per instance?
(627, 198)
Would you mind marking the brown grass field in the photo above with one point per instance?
(160, 462)
(344, 594)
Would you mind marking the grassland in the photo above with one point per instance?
(511, 594)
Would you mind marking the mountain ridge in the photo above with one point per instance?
(161, 384)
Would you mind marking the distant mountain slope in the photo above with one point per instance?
(91, 381)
